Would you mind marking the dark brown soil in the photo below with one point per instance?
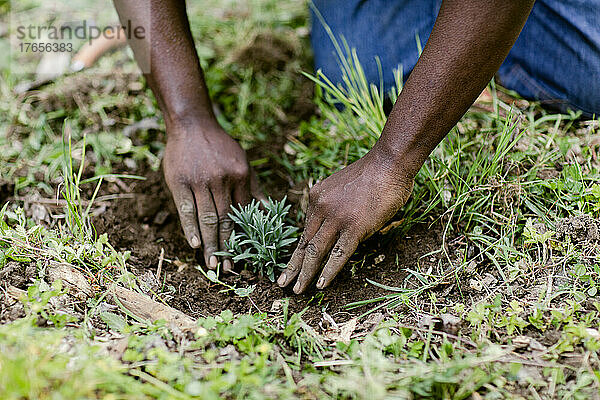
(581, 229)
(19, 275)
(148, 222)
(143, 218)
(6, 191)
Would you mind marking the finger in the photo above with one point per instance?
(340, 254)
(223, 204)
(208, 220)
(315, 252)
(313, 224)
(184, 201)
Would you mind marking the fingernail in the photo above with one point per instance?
(282, 279)
(227, 265)
(297, 288)
(77, 66)
(195, 241)
(213, 262)
(321, 283)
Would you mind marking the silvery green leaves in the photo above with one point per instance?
(261, 236)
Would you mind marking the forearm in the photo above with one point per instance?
(168, 58)
(469, 41)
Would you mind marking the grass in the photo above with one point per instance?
(514, 191)
(481, 182)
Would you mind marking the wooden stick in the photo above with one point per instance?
(77, 284)
(161, 259)
(145, 308)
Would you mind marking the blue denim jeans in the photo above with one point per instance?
(555, 60)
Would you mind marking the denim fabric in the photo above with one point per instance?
(556, 58)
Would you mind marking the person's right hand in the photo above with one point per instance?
(207, 171)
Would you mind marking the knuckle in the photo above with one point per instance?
(240, 171)
(226, 224)
(186, 207)
(292, 269)
(210, 219)
(302, 242)
(215, 180)
(175, 180)
(311, 250)
(313, 194)
(338, 251)
(319, 205)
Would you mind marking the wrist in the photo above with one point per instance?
(192, 125)
(400, 155)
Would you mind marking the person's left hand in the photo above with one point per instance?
(344, 209)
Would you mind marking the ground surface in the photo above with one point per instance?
(485, 285)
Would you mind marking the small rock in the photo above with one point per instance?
(130, 163)
(534, 345)
(593, 333)
(379, 259)
(276, 307)
(471, 267)
(180, 265)
(135, 86)
(39, 213)
(521, 342)
(489, 280)
(450, 323)
(246, 274)
(476, 285)
(116, 347)
(161, 217)
(288, 149)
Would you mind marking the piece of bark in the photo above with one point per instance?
(15, 293)
(144, 307)
(138, 304)
(73, 279)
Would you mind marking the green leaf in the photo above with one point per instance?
(212, 276)
(114, 321)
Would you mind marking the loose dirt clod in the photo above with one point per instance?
(580, 228)
(17, 274)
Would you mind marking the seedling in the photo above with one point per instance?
(264, 236)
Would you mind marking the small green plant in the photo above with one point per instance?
(264, 237)
(214, 278)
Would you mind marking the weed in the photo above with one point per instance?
(214, 278)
